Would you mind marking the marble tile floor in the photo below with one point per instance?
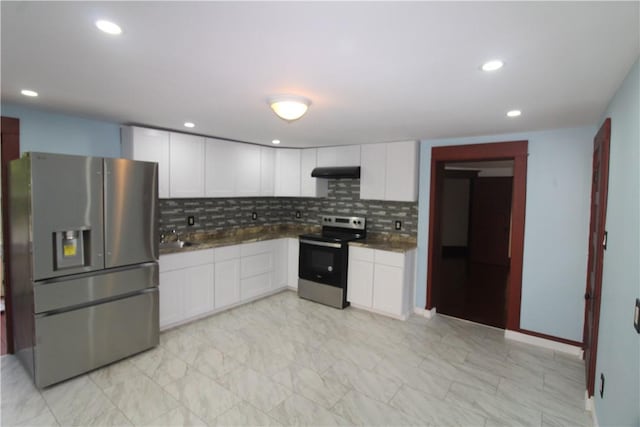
(286, 361)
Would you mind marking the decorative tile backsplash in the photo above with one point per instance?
(343, 199)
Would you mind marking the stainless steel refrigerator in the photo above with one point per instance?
(84, 271)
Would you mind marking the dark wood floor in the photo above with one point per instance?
(474, 291)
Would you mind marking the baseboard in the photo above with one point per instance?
(429, 314)
(590, 405)
(543, 342)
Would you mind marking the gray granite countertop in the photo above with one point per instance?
(387, 242)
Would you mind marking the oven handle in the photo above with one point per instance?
(325, 244)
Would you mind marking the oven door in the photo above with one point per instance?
(323, 262)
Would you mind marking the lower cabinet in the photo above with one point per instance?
(381, 281)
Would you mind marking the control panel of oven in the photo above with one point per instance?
(352, 222)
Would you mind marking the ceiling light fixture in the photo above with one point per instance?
(275, 141)
(493, 65)
(514, 113)
(189, 125)
(108, 27)
(289, 107)
(28, 92)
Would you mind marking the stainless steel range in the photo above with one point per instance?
(324, 260)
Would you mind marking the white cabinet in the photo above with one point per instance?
(293, 247)
(186, 286)
(287, 177)
(373, 171)
(220, 168)
(343, 155)
(311, 187)
(280, 263)
(256, 269)
(248, 175)
(149, 145)
(227, 276)
(381, 281)
(186, 165)
(390, 171)
(267, 171)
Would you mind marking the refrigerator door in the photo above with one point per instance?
(66, 210)
(131, 212)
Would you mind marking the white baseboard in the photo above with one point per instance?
(429, 314)
(543, 342)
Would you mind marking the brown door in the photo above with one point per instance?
(490, 220)
(597, 245)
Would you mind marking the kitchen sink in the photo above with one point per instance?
(176, 244)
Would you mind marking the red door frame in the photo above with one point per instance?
(602, 142)
(10, 147)
(512, 150)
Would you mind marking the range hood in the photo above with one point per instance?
(337, 172)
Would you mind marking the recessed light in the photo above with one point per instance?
(28, 92)
(275, 141)
(108, 27)
(189, 125)
(514, 113)
(493, 65)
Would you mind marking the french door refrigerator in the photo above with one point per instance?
(84, 270)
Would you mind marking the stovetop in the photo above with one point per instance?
(339, 229)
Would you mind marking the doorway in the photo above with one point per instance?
(489, 260)
(9, 150)
(476, 231)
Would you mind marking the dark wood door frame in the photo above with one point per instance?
(599, 193)
(513, 150)
(10, 147)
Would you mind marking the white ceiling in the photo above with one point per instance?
(381, 71)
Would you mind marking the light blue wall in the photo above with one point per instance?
(556, 226)
(619, 344)
(58, 133)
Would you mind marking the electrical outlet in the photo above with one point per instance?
(298, 214)
(398, 225)
(601, 385)
(636, 316)
(191, 220)
(254, 215)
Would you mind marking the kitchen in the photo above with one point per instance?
(101, 137)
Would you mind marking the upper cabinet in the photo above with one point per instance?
(311, 187)
(186, 164)
(248, 170)
(344, 155)
(287, 172)
(220, 169)
(149, 145)
(389, 171)
(267, 171)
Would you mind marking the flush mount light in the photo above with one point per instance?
(514, 113)
(289, 107)
(492, 65)
(108, 27)
(28, 92)
(189, 125)
(275, 141)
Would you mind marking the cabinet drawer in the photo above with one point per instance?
(226, 253)
(256, 248)
(254, 286)
(256, 264)
(395, 259)
(363, 254)
(183, 260)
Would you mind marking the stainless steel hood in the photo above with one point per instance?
(337, 172)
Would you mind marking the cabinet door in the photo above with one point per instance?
(255, 286)
(287, 172)
(220, 168)
(373, 171)
(311, 187)
(293, 262)
(326, 157)
(347, 155)
(360, 283)
(248, 175)
(402, 171)
(186, 165)
(171, 297)
(149, 145)
(280, 258)
(198, 290)
(227, 283)
(388, 289)
(267, 171)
